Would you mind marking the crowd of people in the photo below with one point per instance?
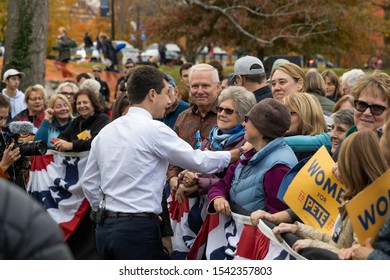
(214, 142)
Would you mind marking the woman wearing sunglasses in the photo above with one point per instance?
(372, 102)
(233, 104)
(371, 95)
(253, 182)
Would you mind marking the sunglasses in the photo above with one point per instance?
(227, 110)
(375, 109)
(98, 71)
(246, 118)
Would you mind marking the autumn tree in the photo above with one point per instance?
(26, 39)
(268, 27)
(384, 5)
(3, 19)
(196, 26)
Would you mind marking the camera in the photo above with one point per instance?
(27, 149)
(31, 148)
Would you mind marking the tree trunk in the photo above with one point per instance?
(26, 39)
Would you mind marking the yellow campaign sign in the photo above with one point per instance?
(368, 209)
(315, 193)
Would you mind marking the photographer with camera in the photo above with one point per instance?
(14, 153)
(9, 155)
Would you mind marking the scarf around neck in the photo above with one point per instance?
(219, 140)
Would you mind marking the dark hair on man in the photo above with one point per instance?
(142, 81)
(185, 66)
(92, 96)
(82, 75)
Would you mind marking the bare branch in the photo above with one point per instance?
(302, 30)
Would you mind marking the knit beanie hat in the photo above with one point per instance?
(271, 118)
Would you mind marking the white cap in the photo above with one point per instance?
(248, 65)
(12, 72)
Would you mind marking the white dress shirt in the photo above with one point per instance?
(129, 160)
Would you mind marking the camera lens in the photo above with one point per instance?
(33, 148)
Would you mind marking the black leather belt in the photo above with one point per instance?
(110, 214)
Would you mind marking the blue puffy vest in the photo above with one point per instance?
(247, 186)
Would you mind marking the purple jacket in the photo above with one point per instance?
(272, 181)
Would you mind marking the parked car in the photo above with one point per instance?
(172, 54)
(127, 49)
(319, 61)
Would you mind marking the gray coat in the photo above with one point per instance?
(27, 232)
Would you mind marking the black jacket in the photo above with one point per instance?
(93, 124)
(27, 232)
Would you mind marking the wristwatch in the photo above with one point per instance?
(241, 149)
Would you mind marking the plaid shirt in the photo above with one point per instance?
(187, 124)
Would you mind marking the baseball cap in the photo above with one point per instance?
(248, 65)
(12, 72)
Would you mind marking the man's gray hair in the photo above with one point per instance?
(205, 67)
(242, 98)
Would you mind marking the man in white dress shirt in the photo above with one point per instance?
(126, 170)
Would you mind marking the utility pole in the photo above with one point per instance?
(112, 19)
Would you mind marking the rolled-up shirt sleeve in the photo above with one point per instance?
(178, 152)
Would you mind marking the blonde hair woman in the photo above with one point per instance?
(286, 79)
(306, 113)
(307, 117)
(58, 116)
(34, 97)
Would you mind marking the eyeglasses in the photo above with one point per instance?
(375, 109)
(246, 118)
(36, 98)
(67, 93)
(227, 110)
(95, 70)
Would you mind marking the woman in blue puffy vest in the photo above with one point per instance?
(253, 182)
